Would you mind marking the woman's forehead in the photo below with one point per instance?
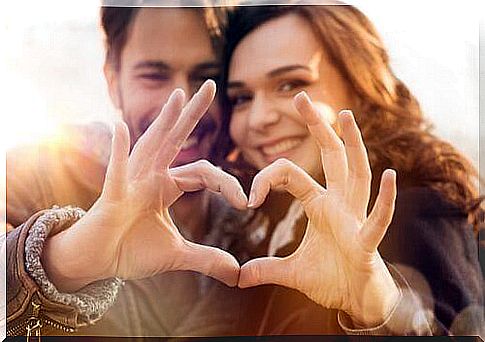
(288, 40)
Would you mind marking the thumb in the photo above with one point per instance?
(267, 270)
(211, 261)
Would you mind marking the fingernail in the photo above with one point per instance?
(207, 83)
(392, 172)
(242, 196)
(210, 80)
(252, 200)
(303, 95)
(346, 112)
(176, 93)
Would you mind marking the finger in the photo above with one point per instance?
(381, 216)
(203, 175)
(284, 174)
(149, 143)
(360, 175)
(333, 153)
(210, 261)
(267, 270)
(115, 179)
(191, 114)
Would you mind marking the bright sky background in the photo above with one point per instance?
(52, 53)
(52, 57)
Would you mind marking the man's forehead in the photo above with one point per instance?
(169, 29)
(172, 35)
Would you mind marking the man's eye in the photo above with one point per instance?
(155, 77)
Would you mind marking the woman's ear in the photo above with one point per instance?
(111, 75)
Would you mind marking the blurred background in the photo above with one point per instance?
(52, 53)
(51, 56)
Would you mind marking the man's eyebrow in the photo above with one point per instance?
(287, 68)
(207, 65)
(152, 65)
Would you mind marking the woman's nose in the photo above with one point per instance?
(262, 114)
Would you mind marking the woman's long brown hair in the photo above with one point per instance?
(395, 131)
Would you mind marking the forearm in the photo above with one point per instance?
(406, 317)
(29, 286)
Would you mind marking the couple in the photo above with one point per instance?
(292, 77)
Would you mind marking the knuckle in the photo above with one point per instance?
(255, 273)
(202, 163)
(282, 163)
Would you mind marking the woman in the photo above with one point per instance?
(275, 56)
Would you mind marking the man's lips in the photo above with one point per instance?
(191, 142)
(192, 149)
(188, 155)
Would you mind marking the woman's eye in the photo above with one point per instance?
(289, 86)
(239, 100)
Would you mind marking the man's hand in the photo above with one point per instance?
(128, 233)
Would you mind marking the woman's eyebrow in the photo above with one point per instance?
(235, 84)
(273, 73)
(285, 69)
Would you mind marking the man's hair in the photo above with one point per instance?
(116, 22)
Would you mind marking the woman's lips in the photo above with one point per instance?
(280, 149)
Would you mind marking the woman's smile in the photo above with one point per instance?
(280, 148)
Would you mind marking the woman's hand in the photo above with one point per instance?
(128, 233)
(337, 264)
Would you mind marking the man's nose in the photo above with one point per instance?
(182, 82)
(263, 113)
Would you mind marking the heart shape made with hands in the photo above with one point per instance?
(136, 237)
(337, 263)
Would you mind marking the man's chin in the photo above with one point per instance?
(188, 156)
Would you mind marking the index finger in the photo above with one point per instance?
(333, 155)
(191, 114)
(284, 174)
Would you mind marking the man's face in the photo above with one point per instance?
(166, 48)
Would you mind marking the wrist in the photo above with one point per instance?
(64, 266)
(378, 299)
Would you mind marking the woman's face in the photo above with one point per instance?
(269, 66)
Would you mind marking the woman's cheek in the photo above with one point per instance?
(237, 130)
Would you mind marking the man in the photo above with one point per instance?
(149, 53)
